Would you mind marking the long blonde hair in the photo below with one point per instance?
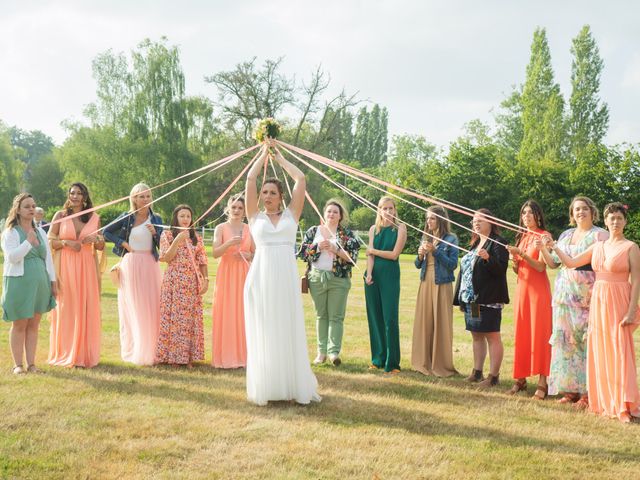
(379, 219)
(136, 190)
(13, 217)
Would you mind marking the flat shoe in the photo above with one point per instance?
(335, 360)
(18, 370)
(33, 369)
(373, 367)
(320, 359)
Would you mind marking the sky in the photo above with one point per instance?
(435, 65)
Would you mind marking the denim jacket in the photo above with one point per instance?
(446, 260)
(118, 231)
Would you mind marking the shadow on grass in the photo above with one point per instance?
(220, 389)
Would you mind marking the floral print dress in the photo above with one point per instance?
(571, 298)
(181, 339)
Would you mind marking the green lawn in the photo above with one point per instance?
(122, 421)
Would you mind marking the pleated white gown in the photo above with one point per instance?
(277, 356)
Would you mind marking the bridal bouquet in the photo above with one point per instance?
(267, 128)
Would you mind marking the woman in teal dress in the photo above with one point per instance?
(382, 286)
(29, 280)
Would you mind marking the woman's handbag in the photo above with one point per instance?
(304, 284)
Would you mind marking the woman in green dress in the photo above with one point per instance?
(382, 286)
(29, 280)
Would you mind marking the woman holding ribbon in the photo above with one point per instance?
(136, 235)
(277, 356)
(330, 250)
(233, 245)
(181, 334)
(76, 322)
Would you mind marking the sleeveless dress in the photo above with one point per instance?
(181, 333)
(611, 362)
(383, 300)
(75, 322)
(23, 297)
(229, 342)
(277, 356)
(532, 308)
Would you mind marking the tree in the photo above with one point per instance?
(542, 107)
(588, 116)
(11, 170)
(46, 178)
(246, 94)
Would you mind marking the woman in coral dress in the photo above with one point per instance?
(181, 337)
(75, 322)
(613, 316)
(532, 308)
(232, 243)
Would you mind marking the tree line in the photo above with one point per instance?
(143, 126)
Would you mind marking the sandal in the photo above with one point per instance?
(476, 376)
(569, 398)
(582, 404)
(393, 372)
(18, 370)
(374, 367)
(33, 369)
(520, 384)
(541, 392)
(490, 381)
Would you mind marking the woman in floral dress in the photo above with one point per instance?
(181, 339)
(571, 298)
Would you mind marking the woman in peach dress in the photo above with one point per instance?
(75, 322)
(613, 316)
(232, 243)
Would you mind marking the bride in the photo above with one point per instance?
(277, 357)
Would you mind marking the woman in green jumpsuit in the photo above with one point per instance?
(382, 286)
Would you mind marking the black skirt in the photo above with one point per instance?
(488, 321)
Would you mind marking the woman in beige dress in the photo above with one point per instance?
(433, 327)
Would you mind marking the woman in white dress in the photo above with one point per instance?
(277, 356)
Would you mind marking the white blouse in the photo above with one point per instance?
(325, 260)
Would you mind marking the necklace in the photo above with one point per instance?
(274, 213)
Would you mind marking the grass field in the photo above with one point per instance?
(123, 421)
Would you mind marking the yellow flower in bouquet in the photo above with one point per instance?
(267, 128)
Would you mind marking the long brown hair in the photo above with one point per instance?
(537, 214)
(495, 230)
(174, 223)
(13, 217)
(86, 201)
(443, 226)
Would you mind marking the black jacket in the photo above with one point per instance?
(489, 276)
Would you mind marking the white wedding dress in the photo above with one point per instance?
(277, 356)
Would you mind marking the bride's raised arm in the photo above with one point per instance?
(251, 189)
(297, 195)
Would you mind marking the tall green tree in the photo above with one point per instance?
(11, 170)
(588, 115)
(543, 129)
